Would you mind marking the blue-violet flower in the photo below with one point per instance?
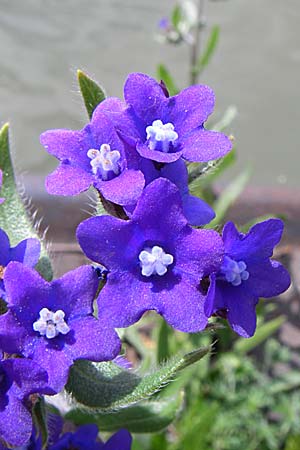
(246, 274)
(94, 156)
(155, 260)
(163, 128)
(19, 378)
(53, 323)
(27, 252)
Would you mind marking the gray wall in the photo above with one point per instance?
(256, 67)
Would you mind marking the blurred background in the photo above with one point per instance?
(255, 67)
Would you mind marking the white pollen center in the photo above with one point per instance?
(50, 324)
(104, 161)
(161, 135)
(154, 261)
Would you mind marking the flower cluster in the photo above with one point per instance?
(134, 153)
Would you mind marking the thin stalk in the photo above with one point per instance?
(196, 46)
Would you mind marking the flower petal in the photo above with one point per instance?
(123, 307)
(183, 305)
(103, 131)
(267, 278)
(107, 240)
(25, 298)
(202, 145)
(68, 180)
(190, 108)
(55, 360)
(124, 189)
(199, 252)
(257, 244)
(94, 340)
(197, 211)
(5, 248)
(27, 252)
(15, 423)
(74, 292)
(67, 144)
(156, 155)
(145, 95)
(28, 376)
(120, 440)
(241, 311)
(160, 204)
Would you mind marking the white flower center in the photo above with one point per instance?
(154, 261)
(104, 161)
(235, 272)
(50, 324)
(161, 135)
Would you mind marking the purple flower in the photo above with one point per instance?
(19, 378)
(155, 260)
(164, 24)
(27, 252)
(246, 274)
(85, 438)
(196, 211)
(163, 128)
(93, 156)
(119, 441)
(1, 199)
(53, 323)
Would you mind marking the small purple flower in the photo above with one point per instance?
(119, 441)
(19, 378)
(246, 274)
(163, 128)
(93, 156)
(27, 252)
(1, 199)
(164, 24)
(155, 260)
(85, 438)
(53, 323)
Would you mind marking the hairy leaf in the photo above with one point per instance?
(91, 92)
(146, 417)
(14, 219)
(105, 386)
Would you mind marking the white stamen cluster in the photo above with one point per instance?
(235, 272)
(160, 135)
(50, 324)
(104, 161)
(154, 261)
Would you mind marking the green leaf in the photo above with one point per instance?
(176, 16)
(264, 331)
(40, 420)
(146, 417)
(209, 50)
(91, 92)
(14, 219)
(163, 351)
(229, 196)
(164, 75)
(105, 386)
(293, 443)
